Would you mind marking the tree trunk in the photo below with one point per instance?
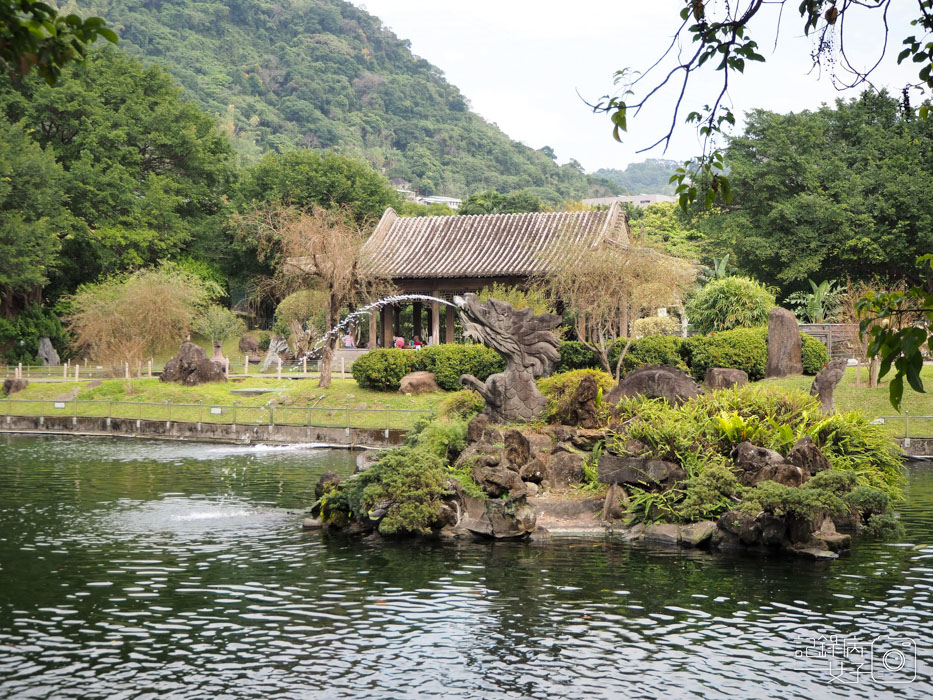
(330, 344)
(873, 369)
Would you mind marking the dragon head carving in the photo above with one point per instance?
(520, 336)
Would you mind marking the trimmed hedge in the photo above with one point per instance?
(745, 349)
(383, 369)
(741, 348)
(650, 350)
(450, 360)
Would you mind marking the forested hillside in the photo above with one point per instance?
(651, 176)
(323, 73)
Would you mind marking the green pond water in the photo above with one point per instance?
(138, 569)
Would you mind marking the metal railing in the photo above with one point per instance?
(234, 414)
(907, 426)
(78, 372)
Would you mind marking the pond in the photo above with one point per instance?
(143, 569)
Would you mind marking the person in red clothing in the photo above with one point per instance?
(416, 342)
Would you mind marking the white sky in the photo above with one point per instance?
(522, 62)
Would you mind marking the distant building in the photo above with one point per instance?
(451, 202)
(639, 200)
(443, 256)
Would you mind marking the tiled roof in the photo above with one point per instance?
(484, 245)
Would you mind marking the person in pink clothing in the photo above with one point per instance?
(400, 342)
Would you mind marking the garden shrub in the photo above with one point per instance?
(19, 337)
(412, 481)
(655, 325)
(866, 471)
(652, 350)
(575, 355)
(730, 302)
(382, 369)
(884, 526)
(559, 388)
(743, 348)
(813, 353)
(450, 360)
(442, 437)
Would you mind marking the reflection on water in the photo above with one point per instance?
(145, 569)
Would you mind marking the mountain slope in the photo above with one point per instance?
(323, 73)
(651, 176)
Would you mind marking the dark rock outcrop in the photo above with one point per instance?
(750, 457)
(656, 381)
(498, 481)
(510, 518)
(806, 455)
(613, 469)
(565, 469)
(418, 383)
(784, 344)
(191, 367)
(12, 385)
(782, 473)
(824, 383)
(724, 378)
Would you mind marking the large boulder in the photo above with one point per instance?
(725, 378)
(565, 469)
(656, 381)
(47, 353)
(613, 469)
(806, 455)
(498, 481)
(12, 385)
(191, 366)
(418, 383)
(786, 474)
(824, 383)
(517, 448)
(784, 344)
(509, 518)
(750, 457)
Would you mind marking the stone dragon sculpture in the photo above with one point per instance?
(529, 346)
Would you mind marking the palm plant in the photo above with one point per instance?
(821, 305)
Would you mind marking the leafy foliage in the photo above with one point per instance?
(821, 305)
(743, 348)
(218, 324)
(383, 368)
(533, 298)
(19, 336)
(451, 360)
(656, 325)
(491, 202)
(813, 354)
(558, 389)
(732, 302)
(408, 483)
(130, 317)
(653, 350)
(895, 339)
(34, 35)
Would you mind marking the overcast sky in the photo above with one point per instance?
(521, 64)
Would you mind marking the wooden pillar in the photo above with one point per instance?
(397, 320)
(416, 320)
(449, 316)
(373, 329)
(435, 321)
(387, 336)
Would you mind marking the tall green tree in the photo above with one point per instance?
(492, 202)
(304, 178)
(841, 191)
(145, 171)
(33, 217)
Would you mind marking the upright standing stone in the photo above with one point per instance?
(824, 383)
(47, 353)
(783, 344)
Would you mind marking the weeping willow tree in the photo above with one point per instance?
(606, 287)
(315, 249)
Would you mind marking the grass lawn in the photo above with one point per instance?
(874, 402)
(288, 402)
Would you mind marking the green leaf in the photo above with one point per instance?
(896, 391)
